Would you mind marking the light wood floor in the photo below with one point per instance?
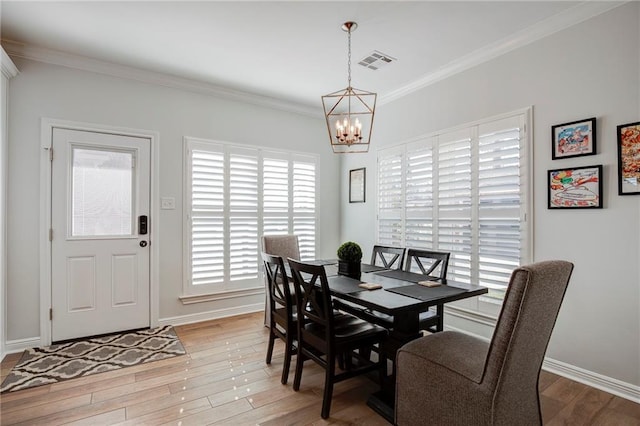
(223, 379)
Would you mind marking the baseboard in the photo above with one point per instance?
(211, 315)
(19, 345)
(607, 384)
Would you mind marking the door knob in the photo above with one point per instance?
(143, 243)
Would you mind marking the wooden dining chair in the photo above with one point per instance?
(385, 256)
(389, 257)
(282, 318)
(424, 262)
(433, 265)
(323, 337)
(286, 246)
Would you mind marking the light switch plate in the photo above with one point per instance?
(167, 203)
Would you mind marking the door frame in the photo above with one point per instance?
(46, 140)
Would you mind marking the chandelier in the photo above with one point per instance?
(349, 112)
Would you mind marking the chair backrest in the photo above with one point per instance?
(390, 257)
(432, 263)
(285, 246)
(529, 311)
(313, 301)
(277, 283)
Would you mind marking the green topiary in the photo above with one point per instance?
(350, 252)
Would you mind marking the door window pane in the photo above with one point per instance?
(102, 195)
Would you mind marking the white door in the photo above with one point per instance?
(99, 249)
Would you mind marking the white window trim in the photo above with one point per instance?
(240, 288)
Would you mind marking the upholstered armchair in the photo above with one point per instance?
(450, 378)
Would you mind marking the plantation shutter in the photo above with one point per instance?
(304, 207)
(390, 197)
(454, 202)
(501, 196)
(275, 194)
(243, 214)
(234, 195)
(464, 192)
(207, 214)
(419, 185)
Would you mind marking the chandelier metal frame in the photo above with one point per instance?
(350, 110)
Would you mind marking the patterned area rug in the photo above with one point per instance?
(64, 361)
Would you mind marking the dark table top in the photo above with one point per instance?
(388, 300)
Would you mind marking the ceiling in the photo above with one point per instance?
(287, 51)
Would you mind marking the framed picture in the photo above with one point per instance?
(573, 139)
(629, 159)
(357, 185)
(575, 188)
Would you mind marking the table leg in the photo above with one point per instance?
(406, 327)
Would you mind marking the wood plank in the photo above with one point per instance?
(45, 410)
(195, 393)
(584, 408)
(226, 414)
(564, 390)
(108, 418)
(169, 414)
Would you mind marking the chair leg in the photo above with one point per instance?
(287, 359)
(328, 387)
(365, 353)
(440, 313)
(299, 362)
(348, 360)
(272, 338)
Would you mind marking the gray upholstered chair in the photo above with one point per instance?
(284, 246)
(451, 378)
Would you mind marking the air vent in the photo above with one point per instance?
(376, 60)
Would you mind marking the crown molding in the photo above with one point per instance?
(554, 24)
(55, 57)
(9, 69)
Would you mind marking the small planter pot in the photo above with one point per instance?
(350, 269)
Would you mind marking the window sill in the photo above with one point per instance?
(472, 315)
(220, 295)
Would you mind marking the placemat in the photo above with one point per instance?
(426, 293)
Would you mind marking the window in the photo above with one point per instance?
(233, 196)
(465, 192)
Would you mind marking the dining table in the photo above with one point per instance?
(403, 296)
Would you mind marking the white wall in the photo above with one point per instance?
(50, 91)
(8, 71)
(591, 69)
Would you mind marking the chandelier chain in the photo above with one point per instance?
(349, 59)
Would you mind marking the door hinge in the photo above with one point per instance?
(51, 154)
(50, 314)
(50, 234)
